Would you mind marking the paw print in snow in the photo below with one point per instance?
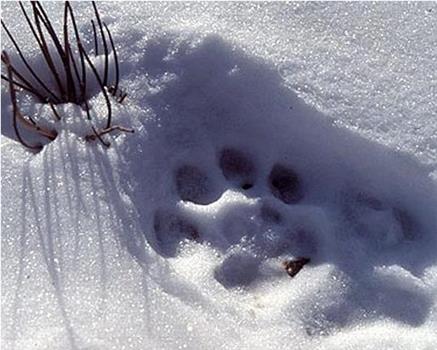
(237, 167)
(258, 212)
(257, 225)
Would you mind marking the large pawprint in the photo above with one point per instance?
(264, 228)
(194, 185)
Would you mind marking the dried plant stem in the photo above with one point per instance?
(116, 128)
(82, 79)
(117, 69)
(67, 66)
(96, 43)
(96, 74)
(98, 136)
(123, 96)
(32, 72)
(40, 38)
(17, 116)
(71, 90)
(55, 112)
(24, 87)
(42, 47)
(105, 45)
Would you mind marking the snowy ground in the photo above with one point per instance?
(175, 236)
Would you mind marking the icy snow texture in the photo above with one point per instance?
(159, 243)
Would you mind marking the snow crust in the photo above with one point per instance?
(175, 236)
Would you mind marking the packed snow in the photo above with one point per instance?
(264, 133)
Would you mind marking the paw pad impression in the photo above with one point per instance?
(237, 167)
(285, 184)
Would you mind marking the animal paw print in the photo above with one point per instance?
(237, 270)
(194, 185)
(255, 224)
(255, 220)
(386, 224)
(285, 184)
(237, 168)
(170, 229)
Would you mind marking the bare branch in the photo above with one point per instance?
(105, 45)
(114, 52)
(102, 87)
(38, 79)
(15, 110)
(96, 44)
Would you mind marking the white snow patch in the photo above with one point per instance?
(111, 248)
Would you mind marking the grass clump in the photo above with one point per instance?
(69, 65)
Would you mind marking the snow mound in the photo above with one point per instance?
(176, 236)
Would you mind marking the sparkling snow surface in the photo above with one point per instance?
(174, 238)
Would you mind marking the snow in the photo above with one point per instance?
(175, 236)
